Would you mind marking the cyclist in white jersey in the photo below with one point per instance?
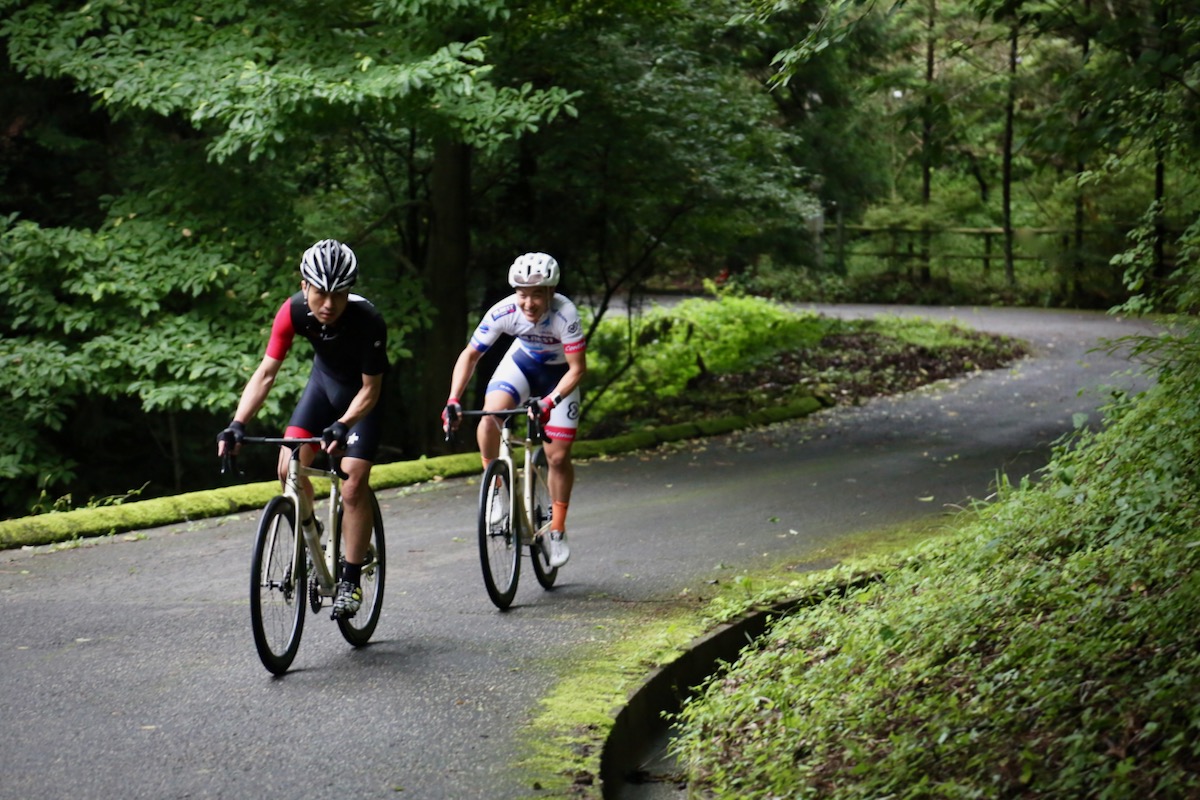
(546, 360)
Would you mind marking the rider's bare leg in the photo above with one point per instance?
(306, 458)
(488, 431)
(561, 479)
(357, 514)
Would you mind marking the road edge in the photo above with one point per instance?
(109, 520)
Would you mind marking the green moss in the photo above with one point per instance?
(107, 520)
(566, 738)
(802, 408)
(674, 433)
(46, 529)
(716, 427)
(406, 473)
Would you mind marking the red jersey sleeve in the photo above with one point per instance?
(282, 332)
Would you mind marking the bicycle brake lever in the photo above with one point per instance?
(336, 466)
(229, 465)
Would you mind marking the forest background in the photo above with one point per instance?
(165, 165)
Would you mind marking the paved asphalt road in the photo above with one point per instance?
(127, 668)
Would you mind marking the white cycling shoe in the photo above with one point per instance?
(560, 552)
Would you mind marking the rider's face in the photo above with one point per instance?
(534, 301)
(327, 307)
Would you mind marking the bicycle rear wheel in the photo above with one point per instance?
(277, 586)
(499, 540)
(542, 570)
(357, 630)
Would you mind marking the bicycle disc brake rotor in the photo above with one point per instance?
(314, 589)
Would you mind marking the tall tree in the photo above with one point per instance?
(231, 137)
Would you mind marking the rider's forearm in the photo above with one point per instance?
(364, 401)
(254, 395)
(464, 368)
(576, 369)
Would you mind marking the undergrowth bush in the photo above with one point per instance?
(797, 284)
(632, 361)
(1050, 649)
(731, 353)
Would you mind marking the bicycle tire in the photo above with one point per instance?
(278, 586)
(357, 630)
(499, 540)
(542, 509)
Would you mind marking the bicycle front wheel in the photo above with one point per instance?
(357, 630)
(277, 586)
(542, 570)
(499, 540)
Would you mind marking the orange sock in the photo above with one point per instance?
(558, 516)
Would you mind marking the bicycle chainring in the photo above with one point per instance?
(315, 600)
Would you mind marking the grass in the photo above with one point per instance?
(564, 740)
(1046, 645)
(1047, 649)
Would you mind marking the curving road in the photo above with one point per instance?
(127, 669)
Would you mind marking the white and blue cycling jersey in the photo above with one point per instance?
(545, 342)
(537, 359)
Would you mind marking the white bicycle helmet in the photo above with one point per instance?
(329, 266)
(533, 269)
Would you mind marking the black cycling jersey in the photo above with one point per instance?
(354, 346)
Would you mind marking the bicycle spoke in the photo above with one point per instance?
(357, 630)
(542, 570)
(499, 549)
(277, 593)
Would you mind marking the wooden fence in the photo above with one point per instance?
(1048, 259)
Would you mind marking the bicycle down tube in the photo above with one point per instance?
(511, 519)
(323, 564)
(524, 502)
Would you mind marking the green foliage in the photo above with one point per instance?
(1049, 649)
(1139, 266)
(221, 142)
(677, 156)
(657, 354)
(786, 283)
(256, 76)
(1103, 129)
(741, 356)
(101, 314)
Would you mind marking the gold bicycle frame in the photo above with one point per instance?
(523, 502)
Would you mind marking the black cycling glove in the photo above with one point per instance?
(233, 435)
(336, 432)
(451, 414)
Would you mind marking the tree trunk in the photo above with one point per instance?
(1010, 275)
(445, 277)
(1071, 289)
(927, 140)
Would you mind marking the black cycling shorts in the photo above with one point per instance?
(323, 401)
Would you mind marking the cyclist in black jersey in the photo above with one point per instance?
(340, 402)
